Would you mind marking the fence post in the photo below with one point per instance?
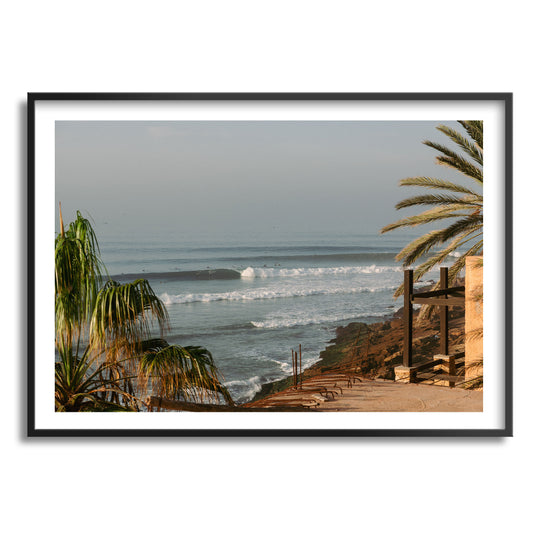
(407, 318)
(444, 313)
(301, 375)
(293, 368)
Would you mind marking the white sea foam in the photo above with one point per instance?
(291, 321)
(254, 272)
(267, 293)
(285, 367)
(245, 388)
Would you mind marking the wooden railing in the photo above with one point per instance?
(444, 297)
(443, 368)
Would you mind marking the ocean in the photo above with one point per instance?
(251, 299)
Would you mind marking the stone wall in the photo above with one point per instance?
(473, 317)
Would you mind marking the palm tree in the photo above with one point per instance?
(459, 206)
(105, 358)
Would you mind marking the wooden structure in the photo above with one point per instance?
(444, 297)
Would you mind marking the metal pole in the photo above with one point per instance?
(407, 318)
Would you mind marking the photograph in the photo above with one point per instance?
(269, 264)
(266, 266)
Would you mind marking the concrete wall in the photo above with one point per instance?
(473, 317)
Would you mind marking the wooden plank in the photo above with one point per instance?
(429, 364)
(440, 292)
(454, 301)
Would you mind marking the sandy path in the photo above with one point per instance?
(381, 395)
(389, 396)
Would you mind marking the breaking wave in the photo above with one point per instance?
(254, 272)
(288, 322)
(244, 390)
(265, 293)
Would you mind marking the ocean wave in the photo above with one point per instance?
(244, 389)
(254, 272)
(185, 275)
(267, 294)
(288, 322)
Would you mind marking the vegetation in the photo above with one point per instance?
(458, 206)
(106, 356)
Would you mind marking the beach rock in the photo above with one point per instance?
(373, 350)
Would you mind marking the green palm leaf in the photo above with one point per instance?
(123, 315)
(176, 372)
(78, 273)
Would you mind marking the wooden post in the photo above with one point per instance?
(293, 369)
(444, 313)
(407, 318)
(301, 377)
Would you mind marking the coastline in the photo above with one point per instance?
(371, 351)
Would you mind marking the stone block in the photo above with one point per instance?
(404, 374)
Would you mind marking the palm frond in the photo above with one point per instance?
(471, 149)
(461, 165)
(474, 128)
(430, 263)
(78, 274)
(423, 245)
(419, 247)
(176, 372)
(79, 382)
(124, 315)
(436, 183)
(118, 359)
(463, 226)
(453, 159)
(434, 214)
(467, 201)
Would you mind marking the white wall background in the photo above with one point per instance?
(258, 485)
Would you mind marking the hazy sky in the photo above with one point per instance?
(224, 176)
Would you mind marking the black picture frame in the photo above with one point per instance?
(504, 99)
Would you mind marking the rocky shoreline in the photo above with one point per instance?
(373, 350)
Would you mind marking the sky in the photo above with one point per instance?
(227, 177)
